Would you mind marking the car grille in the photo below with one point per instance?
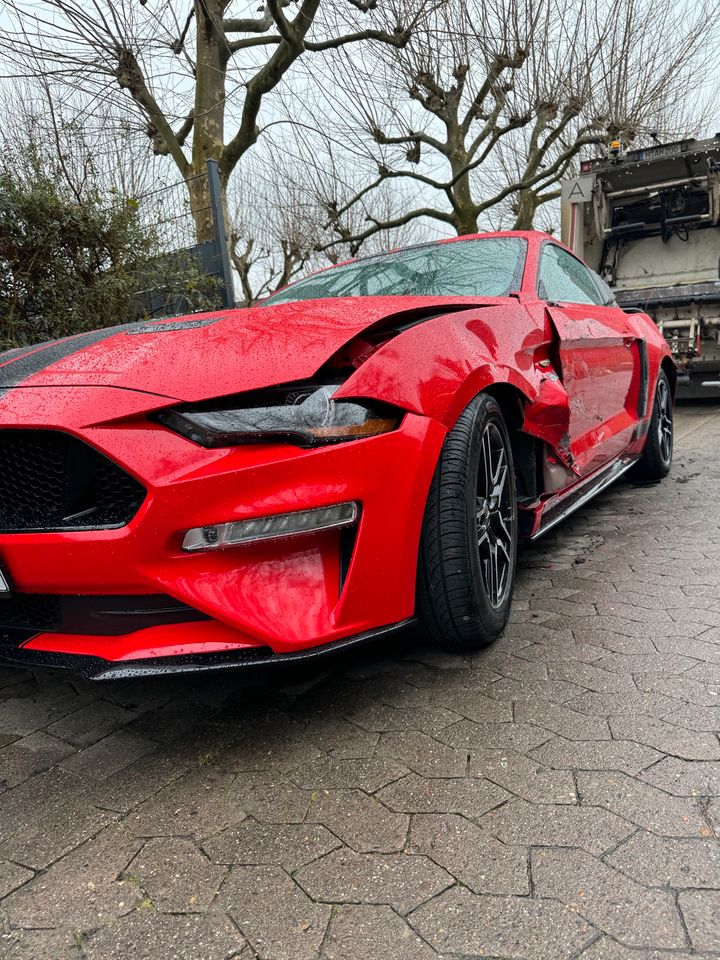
(23, 615)
(51, 481)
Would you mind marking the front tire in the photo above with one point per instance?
(656, 459)
(468, 546)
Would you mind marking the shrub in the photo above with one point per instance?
(67, 266)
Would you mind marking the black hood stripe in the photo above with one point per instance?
(18, 366)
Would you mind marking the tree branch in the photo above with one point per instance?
(537, 178)
(130, 77)
(267, 77)
(408, 138)
(398, 38)
(356, 240)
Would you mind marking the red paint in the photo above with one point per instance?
(575, 369)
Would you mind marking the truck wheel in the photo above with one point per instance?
(654, 464)
(468, 546)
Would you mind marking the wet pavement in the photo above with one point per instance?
(556, 796)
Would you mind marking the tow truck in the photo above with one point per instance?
(648, 221)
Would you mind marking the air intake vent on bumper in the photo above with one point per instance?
(51, 481)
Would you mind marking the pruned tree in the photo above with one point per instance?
(284, 232)
(197, 72)
(489, 104)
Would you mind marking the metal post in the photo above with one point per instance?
(221, 239)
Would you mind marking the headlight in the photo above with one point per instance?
(304, 416)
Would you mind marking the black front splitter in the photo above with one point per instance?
(96, 668)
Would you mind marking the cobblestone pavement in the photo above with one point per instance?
(556, 796)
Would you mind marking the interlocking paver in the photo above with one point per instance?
(522, 776)
(291, 845)
(12, 876)
(632, 913)
(668, 738)
(562, 754)
(661, 862)
(557, 825)
(474, 705)
(91, 723)
(471, 797)
(127, 788)
(278, 919)
(701, 911)
(606, 949)
(399, 880)
(381, 717)
(460, 922)
(367, 774)
(359, 820)
(469, 735)
(643, 804)
(39, 945)
(631, 702)
(702, 719)
(56, 833)
(472, 855)
(646, 664)
(683, 778)
(109, 755)
(556, 691)
(421, 754)
(30, 755)
(21, 716)
(358, 932)
(271, 799)
(562, 721)
(82, 888)
(25, 804)
(176, 876)
(146, 934)
(553, 797)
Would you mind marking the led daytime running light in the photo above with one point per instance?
(220, 535)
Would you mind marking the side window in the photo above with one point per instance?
(564, 279)
(607, 294)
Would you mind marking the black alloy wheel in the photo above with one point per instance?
(468, 548)
(656, 458)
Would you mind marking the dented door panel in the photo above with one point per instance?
(600, 369)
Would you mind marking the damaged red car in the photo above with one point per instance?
(362, 450)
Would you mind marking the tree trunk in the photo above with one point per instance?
(200, 207)
(464, 213)
(526, 205)
(209, 112)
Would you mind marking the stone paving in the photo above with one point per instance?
(556, 796)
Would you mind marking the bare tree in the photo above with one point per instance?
(284, 232)
(196, 71)
(88, 148)
(489, 103)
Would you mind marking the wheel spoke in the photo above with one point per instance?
(499, 484)
(487, 461)
(492, 563)
(507, 534)
(494, 515)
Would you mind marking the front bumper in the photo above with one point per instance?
(269, 599)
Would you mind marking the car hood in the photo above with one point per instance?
(201, 356)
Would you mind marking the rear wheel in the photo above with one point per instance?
(654, 464)
(466, 567)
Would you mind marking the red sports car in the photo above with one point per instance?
(360, 451)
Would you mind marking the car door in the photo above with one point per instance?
(601, 359)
